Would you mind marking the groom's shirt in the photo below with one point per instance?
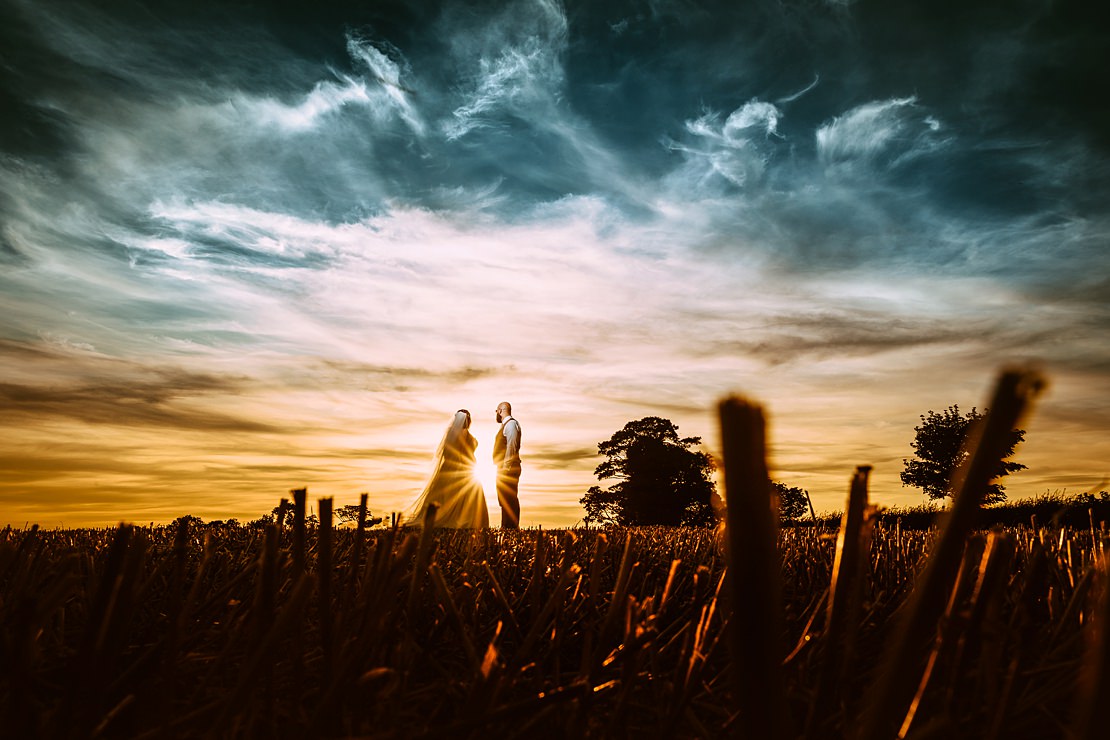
(510, 438)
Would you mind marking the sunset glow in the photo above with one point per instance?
(243, 252)
(486, 472)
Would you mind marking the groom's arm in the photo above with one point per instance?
(512, 444)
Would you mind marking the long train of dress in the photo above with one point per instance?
(453, 488)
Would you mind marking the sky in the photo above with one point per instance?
(250, 247)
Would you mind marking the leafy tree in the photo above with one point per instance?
(284, 513)
(1088, 498)
(793, 501)
(287, 514)
(940, 449)
(191, 519)
(349, 513)
(660, 480)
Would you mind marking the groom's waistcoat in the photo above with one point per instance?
(501, 444)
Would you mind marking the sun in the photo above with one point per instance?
(486, 473)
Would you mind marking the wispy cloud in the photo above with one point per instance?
(740, 148)
(885, 133)
(317, 234)
(519, 72)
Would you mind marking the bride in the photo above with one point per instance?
(453, 488)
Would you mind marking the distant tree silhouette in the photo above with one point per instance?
(349, 514)
(287, 513)
(660, 480)
(793, 501)
(191, 519)
(283, 513)
(939, 444)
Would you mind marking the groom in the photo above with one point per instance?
(506, 455)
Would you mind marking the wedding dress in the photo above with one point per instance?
(453, 488)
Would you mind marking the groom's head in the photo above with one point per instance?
(504, 411)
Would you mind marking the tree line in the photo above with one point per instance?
(660, 478)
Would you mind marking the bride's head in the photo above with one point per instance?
(457, 431)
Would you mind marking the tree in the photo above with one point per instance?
(939, 445)
(660, 480)
(286, 515)
(793, 501)
(349, 515)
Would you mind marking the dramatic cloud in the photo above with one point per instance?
(246, 248)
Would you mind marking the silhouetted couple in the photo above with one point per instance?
(458, 495)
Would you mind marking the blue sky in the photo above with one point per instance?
(250, 247)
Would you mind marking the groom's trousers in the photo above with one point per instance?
(508, 481)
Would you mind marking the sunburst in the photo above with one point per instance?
(486, 473)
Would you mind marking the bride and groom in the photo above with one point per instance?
(454, 490)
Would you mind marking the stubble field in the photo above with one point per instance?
(294, 632)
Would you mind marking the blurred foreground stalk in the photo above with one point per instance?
(892, 693)
(754, 574)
